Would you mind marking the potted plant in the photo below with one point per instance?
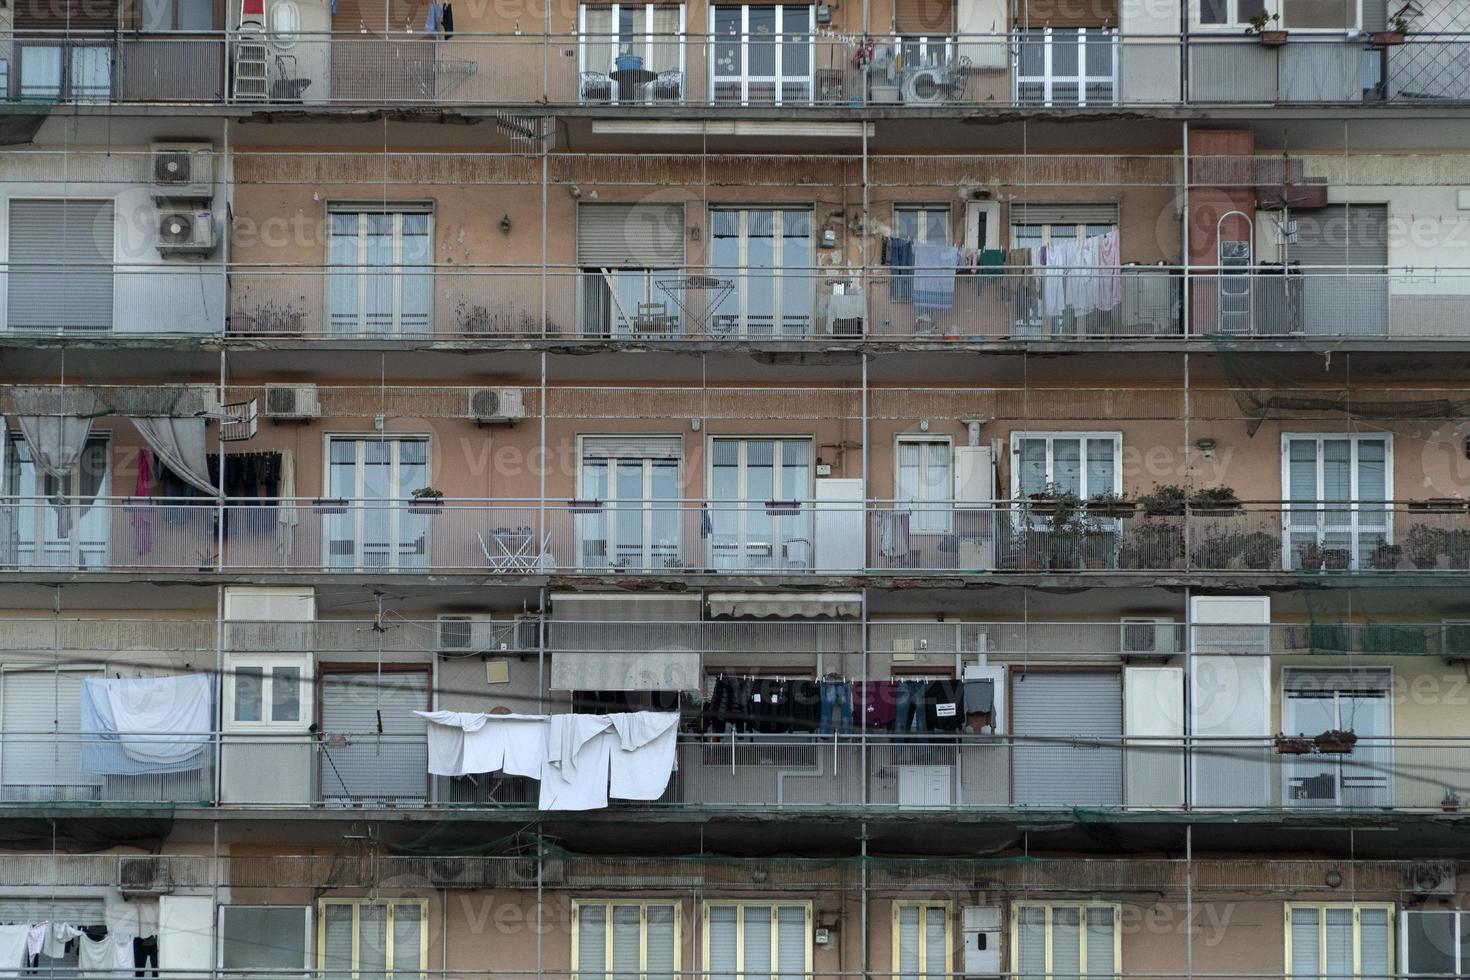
(1051, 498)
(1424, 545)
(426, 500)
(1215, 502)
(1336, 741)
(628, 61)
(1110, 505)
(1260, 550)
(1273, 38)
(1397, 28)
(1336, 559)
(1450, 803)
(1165, 500)
(1154, 545)
(1310, 558)
(1386, 556)
(1293, 744)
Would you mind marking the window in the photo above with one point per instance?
(54, 242)
(1337, 486)
(266, 693)
(1296, 15)
(923, 948)
(37, 704)
(652, 32)
(178, 15)
(626, 303)
(924, 483)
(637, 517)
(1083, 463)
(376, 477)
(1435, 943)
(1066, 66)
(58, 523)
(264, 937)
(757, 941)
(768, 254)
(763, 54)
(1338, 699)
(630, 255)
(373, 746)
(625, 939)
(1340, 941)
(759, 512)
(65, 72)
(1034, 225)
(927, 223)
(380, 282)
(362, 940)
(1066, 942)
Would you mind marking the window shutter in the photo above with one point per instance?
(934, 946)
(758, 937)
(1031, 943)
(1064, 214)
(369, 768)
(724, 933)
(372, 940)
(1066, 941)
(632, 446)
(1373, 940)
(1100, 965)
(1306, 952)
(908, 942)
(60, 265)
(630, 236)
(1061, 13)
(591, 941)
(1339, 937)
(791, 942)
(337, 947)
(18, 910)
(626, 945)
(931, 17)
(408, 934)
(35, 703)
(661, 952)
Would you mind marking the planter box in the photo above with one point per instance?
(1338, 742)
(1286, 745)
(425, 505)
(1387, 39)
(1272, 39)
(324, 505)
(883, 94)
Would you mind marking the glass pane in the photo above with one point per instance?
(262, 938)
(249, 693)
(158, 15)
(627, 942)
(1214, 11)
(1033, 466)
(661, 951)
(1329, 14)
(1100, 965)
(1339, 959)
(1306, 954)
(1101, 476)
(724, 930)
(408, 931)
(757, 943)
(908, 942)
(372, 941)
(1373, 945)
(934, 943)
(196, 15)
(591, 942)
(337, 954)
(1031, 945)
(1431, 938)
(285, 694)
(1067, 464)
(1066, 943)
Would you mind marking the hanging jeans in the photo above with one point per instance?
(145, 954)
(836, 708)
(910, 708)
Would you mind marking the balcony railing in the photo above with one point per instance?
(709, 304)
(681, 537)
(959, 771)
(797, 69)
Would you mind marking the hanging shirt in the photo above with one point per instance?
(13, 955)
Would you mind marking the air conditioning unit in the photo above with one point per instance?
(1454, 639)
(491, 405)
(1152, 637)
(467, 634)
(291, 403)
(526, 636)
(186, 232)
(981, 924)
(926, 86)
(1430, 878)
(138, 875)
(183, 171)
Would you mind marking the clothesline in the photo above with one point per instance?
(102, 952)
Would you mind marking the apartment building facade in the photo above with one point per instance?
(941, 488)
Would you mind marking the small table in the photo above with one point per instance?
(631, 80)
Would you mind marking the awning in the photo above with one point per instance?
(806, 605)
(619, 642)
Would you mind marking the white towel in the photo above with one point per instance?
(107, 957)
(57, 937)
(463, 743)
(36, 938)
(161, 720)
(13, 954)
(644, 762)
(579, 751)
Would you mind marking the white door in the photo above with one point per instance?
(59, 523)
(1337, 487)
(760, 510)
(377, 530)
(379, 283)
(768, 254)
(762, 54)
(1326, 701)
(632, 518)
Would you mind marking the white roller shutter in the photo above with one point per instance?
(724, 933)
(1349, 293)
(34, 764)
(17, 909)
(1230, 700)
(1153, 704)
(632, 446)
(390, 766)
(630, 236)
(1064, 214)
(60, 265)
(1054, 716)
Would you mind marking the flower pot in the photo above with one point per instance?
(1386, 39)
(1272, 39)
(1336, 559)
(1293, 745)
(628, 62)
(1338, 742)
(425, 505)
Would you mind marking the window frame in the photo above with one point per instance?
(1460, 919)
(940, 511)
(1322, 511)
(1050, 79)
(742, 904)
(924, 209)
(648, 506)
(1235, 24)
(737, 325)
(357, 905)
(1357, 910)
(397, 506)
(643, 905)
(364, 271)
(615, 38)
(1047, 972)
(215, 15)
(1017, 436)
(897, 937)
(779, 79)
(309, 954)
(306, 692)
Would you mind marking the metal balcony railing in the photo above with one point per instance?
(471, 305)
(789, 68)
(683, 537)
(884, 770)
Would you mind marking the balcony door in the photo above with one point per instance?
(379, 283)
(631, 516)
(374, 528)
(1357, 701)
(760, 511)
(652, 32)
(1336, 486)
(762, 54)
(768, 254)
(58, 522)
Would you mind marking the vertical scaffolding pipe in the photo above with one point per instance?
(862, 727)
(1184, 287)
(545, 138)
(541, 530)
(219, 706)
(863, 900)
(541, 650)
(1189, 901)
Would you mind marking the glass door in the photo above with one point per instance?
(768, 253)
(762, 54)
(1359, 778)
(760, 513)
(380, 280)
(376, 529)
(630, 517)
(56, 523)
(1337, 488)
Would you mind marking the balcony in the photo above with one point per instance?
(714, 538)
(1037, 68)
